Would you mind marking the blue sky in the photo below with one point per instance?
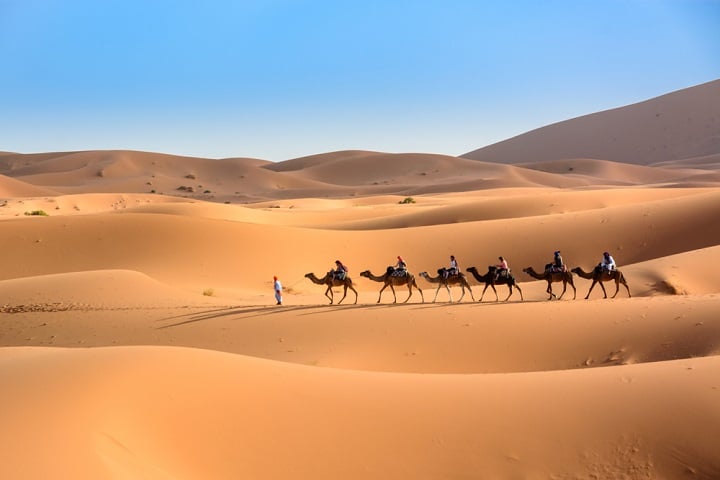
(278, 79)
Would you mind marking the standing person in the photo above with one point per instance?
(501, 268)
(401, 266)
(277, 286)
(340, 270)
(607, 264)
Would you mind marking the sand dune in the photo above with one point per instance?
(151, 422)
(675, 126)
(139, 336)
(9, 188)
(333, 175)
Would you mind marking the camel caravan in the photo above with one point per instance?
(500, 274)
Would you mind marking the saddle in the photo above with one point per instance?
(599, 270)
(447, 273)
(393, 272)
(552, 268)
(500, 273)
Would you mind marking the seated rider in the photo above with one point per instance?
(607, 264)
(557, 265)
(400, 267)
(340, 271)
(454, 269)
(501, 269)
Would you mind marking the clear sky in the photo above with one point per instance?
(278, 79)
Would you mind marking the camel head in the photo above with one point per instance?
(424, 274)
(576, 270)
(366, 273)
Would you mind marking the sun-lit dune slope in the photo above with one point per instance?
(139, 412)
(211, 248)
(675, 126)
(503, 204)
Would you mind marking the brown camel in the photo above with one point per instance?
(392, 281)
(600, 277)
(489, 280)
(550, 277)
(331, 282)
(458, 279)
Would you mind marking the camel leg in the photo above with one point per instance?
(437, 290)
(509, 293)
(355, 291)
(329, 290)
(462, 294)
(494, 291)
(414, 284)
(617, 287)
(381, 290)
(410, 292)
(449, 292)
(603, 289)
(549, 290)
(471, 294)
(344, 294)
(392, 289)
(519, 290)
(564, 288)
(591, 287)
(574, 289)
(483, 292)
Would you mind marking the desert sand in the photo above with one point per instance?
(139, 336)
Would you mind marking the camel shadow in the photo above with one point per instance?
(257, 311)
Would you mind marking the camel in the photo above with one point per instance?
(600, 277)
(458, 279)
(550, 277)
(392, 281)
(489, 280)
(330, 280)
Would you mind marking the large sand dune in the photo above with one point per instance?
(680, 125)
(140, 337)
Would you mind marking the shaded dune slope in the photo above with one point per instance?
(675, 126)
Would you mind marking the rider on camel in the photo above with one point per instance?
(340, 270)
